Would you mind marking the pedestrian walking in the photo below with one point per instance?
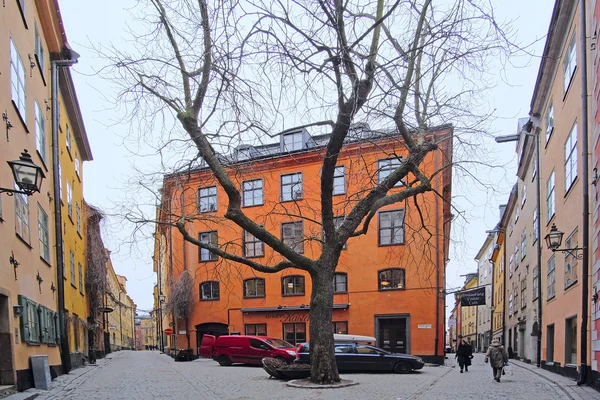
(464, 354)
(497, 357)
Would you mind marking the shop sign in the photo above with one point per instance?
(475, 297)
(424, 326)
(288, 316)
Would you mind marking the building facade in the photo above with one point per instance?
(396, 298)
(468, 320)
(120, 327)
(484, 312)
(498, 256)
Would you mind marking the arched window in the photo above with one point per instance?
(292, 285)
(340, 282)
(209, 290)
(391, 279)
(254, 287)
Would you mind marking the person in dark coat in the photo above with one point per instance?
(497, 357)
(464, 354)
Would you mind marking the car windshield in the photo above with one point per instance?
(280, 344)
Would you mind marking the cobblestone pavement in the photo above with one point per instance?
(151, 375)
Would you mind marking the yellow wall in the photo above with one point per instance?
(469, 319)
(121, 319)
(498, 300)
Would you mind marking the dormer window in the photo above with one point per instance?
(293, 141)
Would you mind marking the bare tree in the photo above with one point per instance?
(228, 73)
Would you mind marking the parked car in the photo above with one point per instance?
(251, 349)
(357, 357)
(207, 346)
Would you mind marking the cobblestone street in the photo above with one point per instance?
(151, 375)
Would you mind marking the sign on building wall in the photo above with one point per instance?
(475, 297)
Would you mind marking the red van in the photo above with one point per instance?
(251, 349)
(207, 346)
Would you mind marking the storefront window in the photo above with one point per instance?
(294, 333)
(256, 329)
(340, 327)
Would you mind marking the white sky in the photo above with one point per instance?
(102, 22)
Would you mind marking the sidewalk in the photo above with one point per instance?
(567, 385)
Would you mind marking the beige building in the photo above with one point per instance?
(121, 320)
(148, 330)
(468, 320)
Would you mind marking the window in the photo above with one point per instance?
(39, 50)
(524, 244)
(549, 122)
(390, 279)
(21, 215)
(550, 197)
(293, 141)
(72, 267)
(292, 285)
(550, 343)
(364, 349)
(77, 169)
(253, 192)
(291, 187)
(534, 168)
(524, 292)
(340, 327)
(292, 234)
(255, 329)
(80, 268)
(207, 199)
(516, 215)
(30, 328)
(340, 282)
(17, 82)
(254, 287)
(571, 261)
(517, 258)
(386, 167)
(510, 304)
(294, 333)
(524, 197)
(569, 63)
(571, 340)
(69, 140)
(43, 234)
(69, 201)
(209, 290)
(337, 222)
(536, 286)
(211, 239)
(516, 294)
(571, 158)
(339, 180)
(551, 278)
(511, 265)
(536, 232)
(78, 217)
(60, 182)
(40, 132)
(252, 246)
(391, 227)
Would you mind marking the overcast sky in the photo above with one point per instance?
(100, 23)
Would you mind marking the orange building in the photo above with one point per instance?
(389, 283)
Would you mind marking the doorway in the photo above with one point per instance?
(7, 376)
(392, 334)
(211, 328)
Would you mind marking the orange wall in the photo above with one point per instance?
(361, 260)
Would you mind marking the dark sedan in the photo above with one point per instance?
(354, 357)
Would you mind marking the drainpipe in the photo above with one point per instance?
(585, 186)
(437, 275)
(539, 244)
(504, 293)
(60, 268)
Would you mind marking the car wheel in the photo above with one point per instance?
(224, 361)
(402, 368)
(282, 359)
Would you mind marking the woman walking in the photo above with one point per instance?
(497, 357)
(464, 353)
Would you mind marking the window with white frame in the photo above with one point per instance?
(293, 141)
(536, 284)
(207, 199)
(39, 50)
(69, 200)
(524, 197)
(72, 267)
(549, 123)
(208, 238)
(524, 292)
(78, 217)
(17, 81)
(391, 227)
(60, 182)
(511, 265)
(77, 168)
(339, 180)
(43, 234)
(254, 287)
(253, 247)
(291, 187)
(571, 260)
(40, 131)
(386, 167)
(292, 234)
(550, 199)
(69, 140)
(510, 304)
(551, 279)
(524, 243)
(253, 192)
(536, 233)
(22, 215)
(569, 63)
(209, 290)
(571, 158)
(516, 214)
(517, 258)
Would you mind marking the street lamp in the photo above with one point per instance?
(26, 174)
(554, 240)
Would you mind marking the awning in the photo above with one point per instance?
(289, 308)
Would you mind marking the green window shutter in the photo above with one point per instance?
(44, 325)
(34, 322)
(25, 333)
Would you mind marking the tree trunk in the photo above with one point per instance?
(322, 356)
(187, 331)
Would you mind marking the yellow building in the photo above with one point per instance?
(498, 298)
(121, 321)
(31, 32)
(468, 323)
(148, 330)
